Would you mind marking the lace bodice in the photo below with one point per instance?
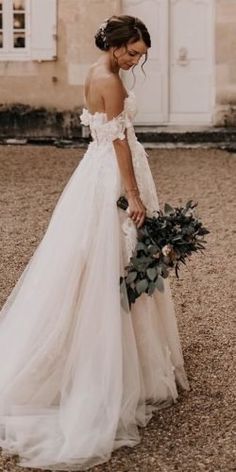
(104, 130)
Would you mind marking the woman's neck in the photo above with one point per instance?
(109, 61)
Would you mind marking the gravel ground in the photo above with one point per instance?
(195, 434)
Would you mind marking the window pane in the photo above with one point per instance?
(19, 40)
(0, 20)
(1, 40)
(18, 4)
(19, 21)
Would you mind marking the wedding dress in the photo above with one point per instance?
(78, 374)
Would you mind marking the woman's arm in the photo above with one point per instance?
(113, 95)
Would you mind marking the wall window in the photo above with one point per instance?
(19, 24)
(14, 27)
(27, 30)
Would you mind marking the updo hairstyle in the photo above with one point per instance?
(118, 31)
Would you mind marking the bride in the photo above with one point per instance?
(78, 375)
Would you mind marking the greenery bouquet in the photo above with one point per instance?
(164, 242)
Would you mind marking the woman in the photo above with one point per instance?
(78, 375)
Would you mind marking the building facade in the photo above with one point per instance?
(46, 47)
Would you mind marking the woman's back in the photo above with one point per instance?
(103, 85)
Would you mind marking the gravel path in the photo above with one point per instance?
(195, 434)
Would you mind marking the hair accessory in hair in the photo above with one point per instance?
(101, 30)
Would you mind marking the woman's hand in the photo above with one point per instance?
(137, 210)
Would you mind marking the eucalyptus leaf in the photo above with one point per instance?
(141, 246)
(153, 249)
(160, 284)
(151, 288)
(152, 272)
(124, 296)
(131, 294)
(131, 277)
(165, 272)
(168, 208)
(141, 286)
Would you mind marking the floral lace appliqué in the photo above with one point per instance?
(104, 131)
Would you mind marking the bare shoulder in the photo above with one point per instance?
(112, 81)
(105, 79)
(113, 93)
(104, 91)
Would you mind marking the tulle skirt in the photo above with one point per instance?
(78, 374)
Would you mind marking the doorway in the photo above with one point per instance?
(179, 83)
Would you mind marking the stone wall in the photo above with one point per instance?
(58, 84)
(225, 59)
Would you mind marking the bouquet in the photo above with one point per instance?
(164, 242)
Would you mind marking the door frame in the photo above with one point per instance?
(164, 37)
(191, 118)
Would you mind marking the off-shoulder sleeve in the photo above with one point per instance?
(84, 117)
(106, 130)
(115, 128)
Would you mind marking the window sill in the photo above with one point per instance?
(25, 58)
(23, 55)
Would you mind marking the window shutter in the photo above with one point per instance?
(43, 29)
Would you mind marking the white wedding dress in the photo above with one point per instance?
(78, 375)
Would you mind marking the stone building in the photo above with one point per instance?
(46, 47)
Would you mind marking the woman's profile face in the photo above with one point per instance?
(130, 55)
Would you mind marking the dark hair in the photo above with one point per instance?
(118, 31)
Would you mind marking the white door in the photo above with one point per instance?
(152, 91)
(191, 61)
(179, 85)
